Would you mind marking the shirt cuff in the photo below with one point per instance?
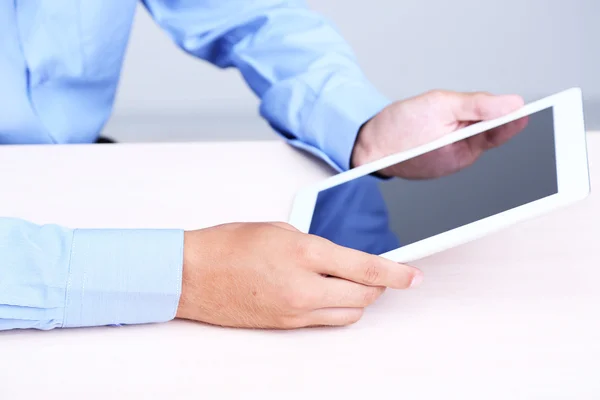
(338, 115)
(123, 277)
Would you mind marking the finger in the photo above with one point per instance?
(333, 317)
(342, 293)
(502, 134)
(481, 106)
(285, 226)
(496, 137)
(363, 268)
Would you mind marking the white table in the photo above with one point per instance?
(513, 316)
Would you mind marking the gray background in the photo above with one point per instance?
(516, 173)
(531, 47)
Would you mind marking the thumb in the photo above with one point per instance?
(285, 226)
(481, 106)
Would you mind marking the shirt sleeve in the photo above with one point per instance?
(311, 88)
(52, 276)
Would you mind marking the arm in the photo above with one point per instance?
(51, 276)
(311, 88)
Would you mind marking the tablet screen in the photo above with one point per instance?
(435, 193)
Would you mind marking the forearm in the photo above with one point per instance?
(313, 91)
(52, 277)
(311, 88)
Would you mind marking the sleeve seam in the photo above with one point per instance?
(179, 276)
(69, 282)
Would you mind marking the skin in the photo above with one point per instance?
(269, 275)
(410, 123)
(298, 280)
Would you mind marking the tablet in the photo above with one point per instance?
(541, 167)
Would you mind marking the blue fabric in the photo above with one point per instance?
(59, 68)
(354, 214)
(51, 276)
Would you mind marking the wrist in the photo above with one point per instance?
(364, 151)
(184, 299)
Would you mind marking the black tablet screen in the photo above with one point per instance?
(426, 197)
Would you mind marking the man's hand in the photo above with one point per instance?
(269, 275)
(410, 123)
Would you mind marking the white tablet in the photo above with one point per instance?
(541, 167)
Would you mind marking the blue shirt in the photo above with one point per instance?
(59, 69)
(354, 214)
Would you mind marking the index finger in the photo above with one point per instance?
(367, 269)
(481, 106)
(503, 133)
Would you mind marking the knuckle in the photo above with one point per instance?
(436, 95)
(256, 231)
(477, 102)
(371, 274)
(371, 295)
(296, 300)
(287, 226)
(477, 96)
(306, 250)
(232, 226)
(283, 225)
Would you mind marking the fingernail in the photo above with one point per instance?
(417, 279)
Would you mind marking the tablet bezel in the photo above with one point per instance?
(571, 165)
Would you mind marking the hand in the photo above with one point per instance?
(269, 275)
(422, 119)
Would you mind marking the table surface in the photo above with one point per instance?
(511, 316)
